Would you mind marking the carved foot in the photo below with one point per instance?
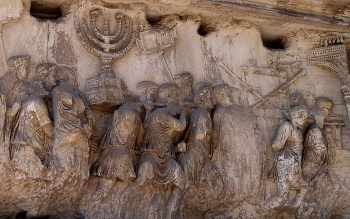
(262, 209)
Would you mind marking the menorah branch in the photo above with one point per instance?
(104, 44)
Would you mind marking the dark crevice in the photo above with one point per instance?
(45, 11)
(154, 20)
(204, 30)
(21, 215)
(274, 43)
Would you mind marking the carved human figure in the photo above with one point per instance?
(326, 104)
(288, 144)
(73, 122)
(331, 144)
(46, 76)
(315, 146)
(330, 131)
(223, 98)
(196, 161)
(237, 139)
(203, 84)
(123, 137)
(296, 99)
(319, 152)
(31, 137)
(15, 89)
(157, 163)
(13, 84)
(319, 142)
(148, 92)
(28, 126)
(70, 151)
(308, 91)
(185, 83)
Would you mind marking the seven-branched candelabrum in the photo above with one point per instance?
(103, 43)
(106, 90)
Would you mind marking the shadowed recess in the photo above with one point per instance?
(45, 11)
(276, 43)
(204, 29)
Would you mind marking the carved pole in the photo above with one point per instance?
(231, 73)
(156, 41)
(169, 74)
(279, 88)
(3, 48)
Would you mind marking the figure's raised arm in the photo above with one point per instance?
(180, 124)
(284, 132)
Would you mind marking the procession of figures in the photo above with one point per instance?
(173, 137)
(244, 134)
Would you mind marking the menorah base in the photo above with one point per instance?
(105, 93)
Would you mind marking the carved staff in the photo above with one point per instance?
(272, 93)
(186, 105)
(4, 51)
(169, 74)
(223, 66)
(156, 40)
(279, 88)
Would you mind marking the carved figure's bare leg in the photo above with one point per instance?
(296, 202)
(156, 204)
(103, 187)
(174, 202)
(177, 193)
(279, 198)
(125, 200)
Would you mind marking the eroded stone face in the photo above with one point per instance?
(10, 10)
(118, 109)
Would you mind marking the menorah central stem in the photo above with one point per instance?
(106, 68)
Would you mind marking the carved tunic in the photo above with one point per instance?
(238, 151)
(315, 145)
(315, 151)
(199, 150)
(29, 143)
(157, 161)
(72, 131)
(200, 124)
(14, 89)
(118, 158)
(289, 160)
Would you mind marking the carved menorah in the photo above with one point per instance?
(106, 91)
(104, 44)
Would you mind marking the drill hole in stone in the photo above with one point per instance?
(45, 11)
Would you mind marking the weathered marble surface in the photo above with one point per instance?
(189, 112)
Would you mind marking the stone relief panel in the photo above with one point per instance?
(105, 114)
